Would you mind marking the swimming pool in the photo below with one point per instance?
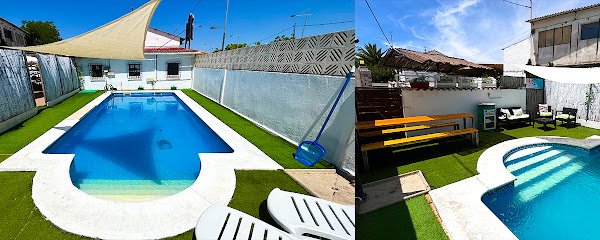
(137, 146)
(555, 195)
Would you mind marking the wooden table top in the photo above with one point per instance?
(410, 120)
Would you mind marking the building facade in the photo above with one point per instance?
(568, 38)
(167, 66)
(12, 35)
(516, 54)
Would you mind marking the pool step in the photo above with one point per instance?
(133, 187)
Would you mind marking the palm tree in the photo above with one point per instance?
(370, 54)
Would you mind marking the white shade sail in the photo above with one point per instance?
(565, 74)
(120, 39)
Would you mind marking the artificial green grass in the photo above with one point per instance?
(425, 225)
(17, 137)
(275, 147)
(442, 162)
(20, 218)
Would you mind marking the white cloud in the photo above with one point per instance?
(476, 30)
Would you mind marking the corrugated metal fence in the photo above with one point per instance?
(16, 95)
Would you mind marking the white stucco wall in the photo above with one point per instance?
(151, 68)
(293, 106)
(156, 38)
(437, 102)
(517, 53)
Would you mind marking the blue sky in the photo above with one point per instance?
(253, 20)
(476, 30)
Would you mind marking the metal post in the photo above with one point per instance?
(225, 27)
(306, 18)
(294, 34)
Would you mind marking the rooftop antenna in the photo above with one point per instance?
(530, 7)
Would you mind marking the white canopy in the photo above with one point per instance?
(120, 39)
(565, 74)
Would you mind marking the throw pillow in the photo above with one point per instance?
(505, 111)
(543, 107)
(518, 112)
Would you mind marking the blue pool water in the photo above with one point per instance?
(556, 194)
(138, 144)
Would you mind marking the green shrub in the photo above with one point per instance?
(382, 75)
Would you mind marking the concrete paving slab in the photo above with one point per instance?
(392, 190)
(325, 184)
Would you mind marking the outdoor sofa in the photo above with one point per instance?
(512, 115)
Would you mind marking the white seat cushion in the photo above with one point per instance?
(514, 117)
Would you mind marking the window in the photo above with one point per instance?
(172, 70)
(566, 33)
(96, 70)
(135, 70)
(589, 31)
(554, 37)
(542, 39)
(8, 34)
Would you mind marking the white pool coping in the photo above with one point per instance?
(76, 212)
(459, 204)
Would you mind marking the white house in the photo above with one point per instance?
(517, 53)
(12, 35)
(567, 38)
(168, 65)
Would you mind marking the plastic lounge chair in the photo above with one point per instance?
(219, 222)
(300, 214)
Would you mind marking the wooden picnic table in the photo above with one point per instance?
(391, 125)
(413, 120)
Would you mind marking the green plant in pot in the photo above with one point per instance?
(419, 82)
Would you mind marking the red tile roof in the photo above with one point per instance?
(168, 50)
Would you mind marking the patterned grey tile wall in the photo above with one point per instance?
(326, 54)
(16, 96)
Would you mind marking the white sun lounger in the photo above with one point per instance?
(219, 222)
(301, 214)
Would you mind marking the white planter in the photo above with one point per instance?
(488, 85)
(467, 85)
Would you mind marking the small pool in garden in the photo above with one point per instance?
(556, 194)
(137, 146)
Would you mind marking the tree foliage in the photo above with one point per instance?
(370, 54)
(283, 38)
(41, 32)
(232, 46)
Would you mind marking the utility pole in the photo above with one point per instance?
(225, 27)
(294, 34)
(306, 18)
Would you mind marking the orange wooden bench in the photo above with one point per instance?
(408, 129)
(386, 123)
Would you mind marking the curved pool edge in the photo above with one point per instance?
(459, 205)
(79, 213)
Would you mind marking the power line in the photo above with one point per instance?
(275, 34)
(186, 18)
(312, 25)
(496, 47)
(382, 32)
(322, 24)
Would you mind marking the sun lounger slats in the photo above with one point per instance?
(416, 139)
(219, 222)
(407, 129)
(317, 216)
(410, 120)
